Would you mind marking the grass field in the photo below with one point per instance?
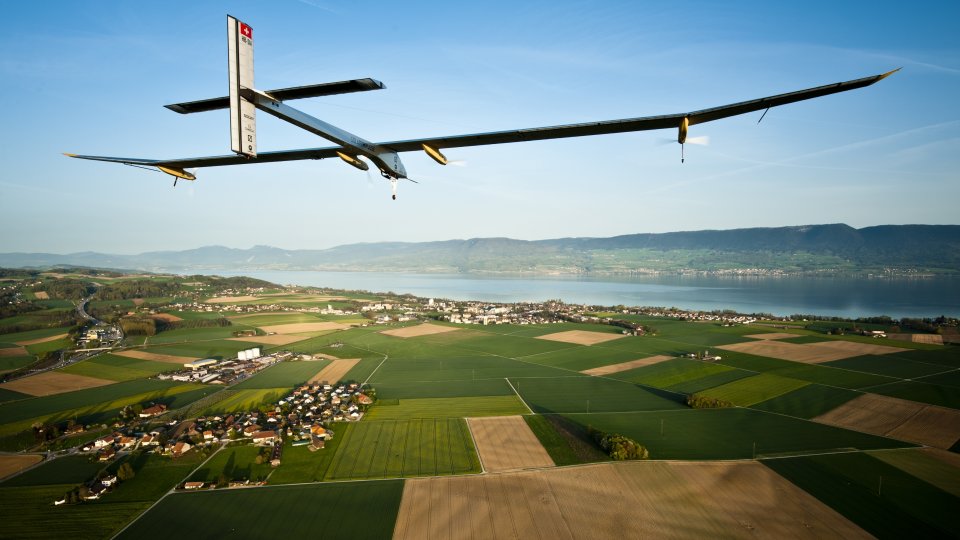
(247, 400)
(13, 363)
(820, 374)
(592, 394)
(457, 368)
(234, 463)
(448, 408)
(889, 365)
(934, 394)
(554, 443)
(925, 464)
(728, 433)
(90, 401)
(444, 389)
(65, 470)
(357, 509)
(10, 395)
(31, 335)
(400, 448)
(746, 392)
(118, 368)
(29, 513)
(673, 372)
(898, 506)
(300, 465)
(217, 348)
(808, 401)
(287, 374)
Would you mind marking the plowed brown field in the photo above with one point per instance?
(334, 372)
(144, 355)
(617, 368)
(897, 418)
(275, 339)
(506, 443)
(809, 353)
(53, 382)
(11, 463)
(41, 340)
(581, 337)
(299, 328)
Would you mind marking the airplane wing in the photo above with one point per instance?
(518, 135)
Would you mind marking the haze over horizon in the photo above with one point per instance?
(91, 77)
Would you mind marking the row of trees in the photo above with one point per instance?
(146, 326)
(700, 401)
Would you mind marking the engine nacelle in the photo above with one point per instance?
(354, 161)
(684, 126)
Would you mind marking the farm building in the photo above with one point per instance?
(200, 363)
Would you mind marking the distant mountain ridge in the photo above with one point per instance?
(798, 249)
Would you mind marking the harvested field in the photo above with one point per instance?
(809, 353)
(41, 340)
(299, 328)
(11, 463)
(166, 317)
(41, 295)
(53, 382)
(773, 335)
(335, 371)
(932, 339)
(275, 339)
(229, 299)
(625, 366)
(897, 418)
(419, 330)
(581, 337)
(13, 351)
(257, 314)
(144, 355)
(506, 443)
(619, 500)
(933, 426)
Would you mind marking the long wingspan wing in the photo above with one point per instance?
(519, 135)
(283, 94)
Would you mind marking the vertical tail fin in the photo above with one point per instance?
(243, 113)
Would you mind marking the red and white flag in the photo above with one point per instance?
(246, 30)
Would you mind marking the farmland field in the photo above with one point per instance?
(592, 394)
(924, 392)
(653, 500)
(898, 506)
(365, 509)
(506, 443)
(397, 448)
(444, 389)
(673, 372)
(746, 392)
(402, 371)
(64, 470)
(728, 433)
(448, 408)
(302, 465)
(287, 374)
(247, 400)
(927, 464)
(118, 368)
(234, 463)
(808, 401)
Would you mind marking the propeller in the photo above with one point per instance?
(702, 140)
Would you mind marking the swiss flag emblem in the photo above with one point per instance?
(246, 30)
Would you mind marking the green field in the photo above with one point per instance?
(400, 448)
(457, 368)
(889, 365)
(917, 462)
(299, 464)
(675, 372)
(217, 348)
(819, 374)
(746, 392)
(64, 470)
(282, 374)
(444, 389)
(710, 381)
(808, 401)
(91, 400)
(247, 400)
(10, 395)
(32, 334)
(886, 501)
(365, 509)
(119, 368)
(29, 513)
(729, 433)
(577, 358)
(447, 408)
(592, 394)
(234, 463)
(934, 394)
(553, 442)
(13, 363)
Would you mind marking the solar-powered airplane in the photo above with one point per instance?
(244, 99)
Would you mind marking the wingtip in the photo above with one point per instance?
(889, 73)
(69, 154)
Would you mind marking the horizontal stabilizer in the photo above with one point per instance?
(283, 94)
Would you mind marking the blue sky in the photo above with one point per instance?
(91, 78)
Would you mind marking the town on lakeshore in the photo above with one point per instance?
(121, 387)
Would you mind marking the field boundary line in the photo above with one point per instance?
(476, 450)
(518, 395)
(372, 373)
(165, 495)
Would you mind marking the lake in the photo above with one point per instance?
(837, 296)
